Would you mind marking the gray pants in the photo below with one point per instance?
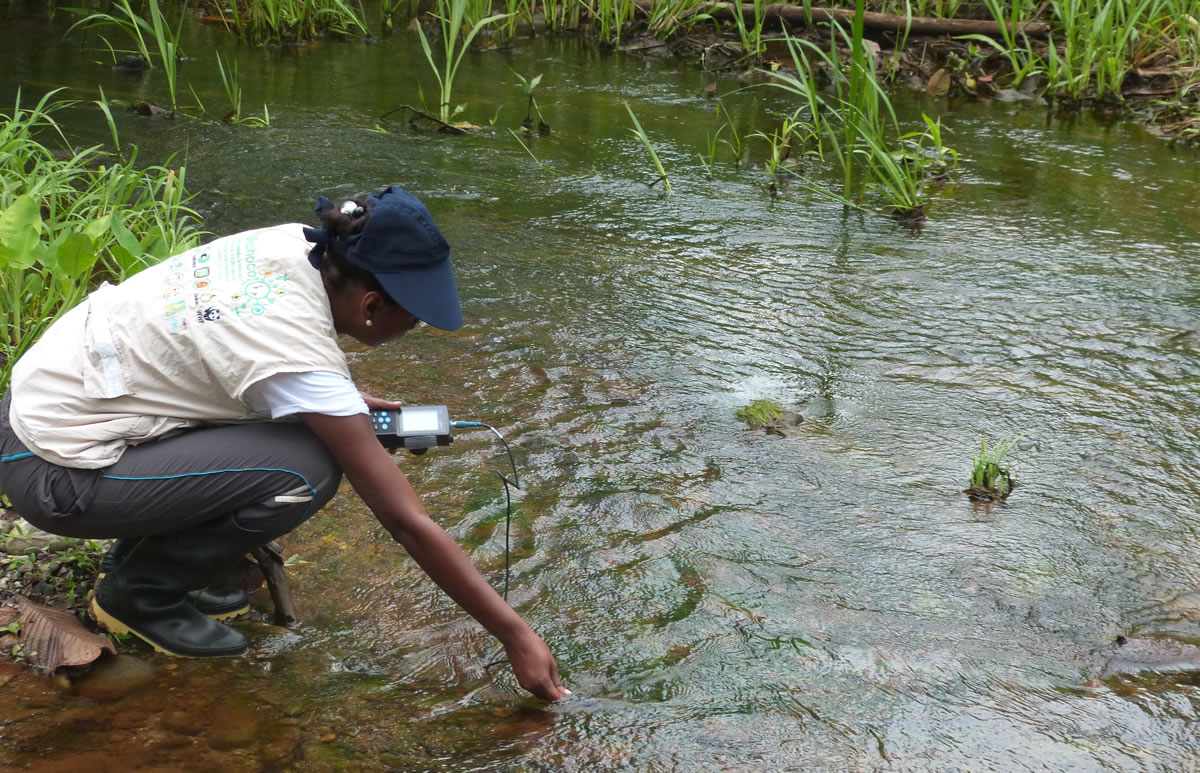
(270, 476)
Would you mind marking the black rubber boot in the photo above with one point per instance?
(216, 601)
(146, 595)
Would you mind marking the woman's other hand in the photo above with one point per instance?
(379, 404)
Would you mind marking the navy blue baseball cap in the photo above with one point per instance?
(403, 249)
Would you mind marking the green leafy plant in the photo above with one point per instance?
(734, 140)
(69, 218)
(640, 133)
(856, 126)
(668, 17)
(233, 90)
(278, 21)
(711, 142)
(143, 33)
(451, 16)
(528, 85)
(760, 412)
(990, 476)
(750, 35)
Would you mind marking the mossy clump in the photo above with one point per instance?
(768, 415)
(760, 413)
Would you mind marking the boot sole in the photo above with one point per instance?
(113, 625)
(227, 615)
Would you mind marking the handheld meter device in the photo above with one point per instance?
(415, 427)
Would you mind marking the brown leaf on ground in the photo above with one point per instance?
(939, 84)
(53, 638)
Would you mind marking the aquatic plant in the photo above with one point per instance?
(1022, 59)
(857, 127)
(734, 141)
(669, 17)
(142, 33)
(761, 412)
(528, 85)
(1095, 43)
(451, 16)
(709, 158)
(70, 217)
(990, 476)
(750, 35)
(233, 90)
(611, 16)
(277, 21)
(640, 133)
(779, 145)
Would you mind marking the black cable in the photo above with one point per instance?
(515, 483)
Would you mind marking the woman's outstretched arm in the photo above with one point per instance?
(387, 492)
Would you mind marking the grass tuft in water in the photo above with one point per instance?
(156, 31)
(453, 16)
(990, 475)
(640, 133)
(759, 413)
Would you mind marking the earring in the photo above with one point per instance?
(370, 323)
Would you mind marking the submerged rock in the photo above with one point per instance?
(115, 677)
(1153, 655)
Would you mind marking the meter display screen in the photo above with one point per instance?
(419, 420)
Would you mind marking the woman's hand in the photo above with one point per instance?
(535, 667)
(379, 404)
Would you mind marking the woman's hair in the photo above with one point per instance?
(339, 272)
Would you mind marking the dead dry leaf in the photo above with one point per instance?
(52, 638)
(939, 84)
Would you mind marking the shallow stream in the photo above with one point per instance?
(718, 599)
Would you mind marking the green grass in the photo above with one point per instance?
(640, 133)
(452, 17)
(151, 37)
(233, 91)
(989, 468)
(854, 126)
(282, 21)
(760, 412)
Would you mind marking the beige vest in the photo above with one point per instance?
(174, 346)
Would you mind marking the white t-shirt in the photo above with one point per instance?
(321, 391)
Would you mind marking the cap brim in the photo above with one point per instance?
(429, 293)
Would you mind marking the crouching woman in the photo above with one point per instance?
(203, 408)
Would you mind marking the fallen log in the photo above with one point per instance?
(795, 15)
